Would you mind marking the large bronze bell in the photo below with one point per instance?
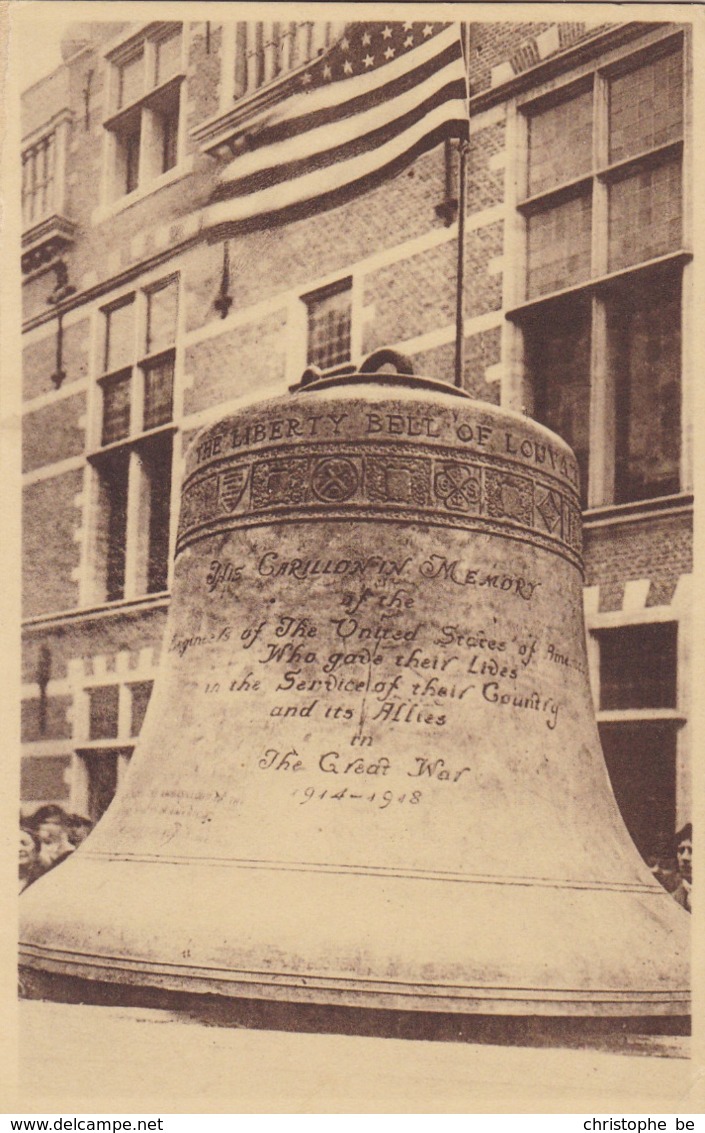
(370, 772)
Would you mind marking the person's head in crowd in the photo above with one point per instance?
(28, 857)
(78, 828)
(684, 852)
(51, 826)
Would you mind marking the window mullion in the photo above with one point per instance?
(124, 712)
(137, 525)
(601, 464)
(602, 410)
(600, 159)
(517, 391)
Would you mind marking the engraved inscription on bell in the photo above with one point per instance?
(370, 771)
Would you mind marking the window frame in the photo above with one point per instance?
(121, 746)
(674, 719)
(57, 128)
(140, 448)
(341, 286)
(144, 116)
(236, 52)
(517, 391)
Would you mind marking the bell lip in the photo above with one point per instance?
(43, 965)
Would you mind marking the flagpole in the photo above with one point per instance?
(464, 151)
(460, 281)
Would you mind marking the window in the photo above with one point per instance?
(144, 125)
(329, 321)
(114, 719)
(140, 692)
(47, 229)
(133, 463)
(602, 212)
(638, 725)
(103, 712)
(264, 51)
(38, 180)
(638, 667)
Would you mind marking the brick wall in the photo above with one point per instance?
(495, 43)
(411, 297)
(492, 44)
(203, 73)
(56, 725)
(235, 364)
(483, 280)
(44, 778)
(49, 551)
(123, 632)
(42, 100)
(39, 359)
(54, 433)
(485, 178)
(660, 550)
(482, 351)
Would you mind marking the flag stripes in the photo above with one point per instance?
(342, 135)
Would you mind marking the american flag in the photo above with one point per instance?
(354, 116)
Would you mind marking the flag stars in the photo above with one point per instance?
(407, 26)
(305, 79)
(387, 33)
(327, 71)
(369, 60)
(428, 30)
(366, 39)
(348, 67)
(345, 44)
(409, 41)
(389, 53)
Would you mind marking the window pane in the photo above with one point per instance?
(119, 336)
(560, 143)
(645, 215)
(131, 158)
(140, 694)
(243, 36)
(158, 392)
(646, 107)
(27, 161)
(558, 357)
(103, 712)
(161, 317)
(111, 527)
(644, 327)
(167, 60)
(101, 773)
(156, 459)
(116, 409)
(641, 760)
(329, 320)
(170, 139)
(638, 666)
(559, 246)
(131, 80)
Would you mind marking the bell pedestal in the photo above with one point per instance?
(370, 773)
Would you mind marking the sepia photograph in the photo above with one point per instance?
(352, 366)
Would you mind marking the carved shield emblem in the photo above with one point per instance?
(231, 486)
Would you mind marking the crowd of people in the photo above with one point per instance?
(51, 834)
(46, 839)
